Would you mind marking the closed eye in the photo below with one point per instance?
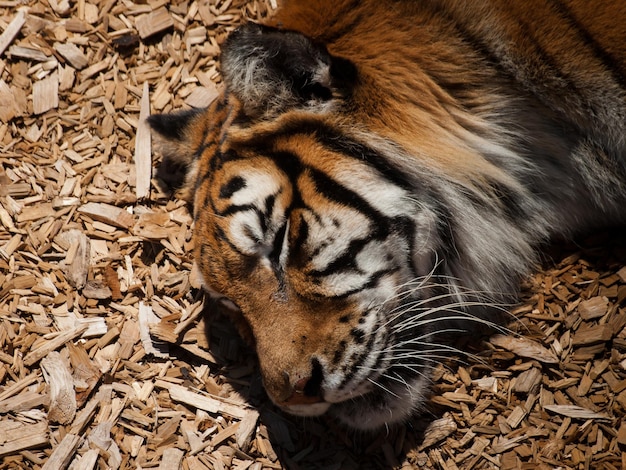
(278, 254)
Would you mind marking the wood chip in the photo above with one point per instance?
(147, 318)
(172, 459)
(108, 214)
(16, 436)
(72, 54)
(246, 430)
(76, 263)
(62, 408)
(577, 412)
(212, 405)
(595, 307)
(592, 335)
(63, 453)
(143, 148)
(524, 347)
(528, 381)
(46, 347)
(11, 31)
(155, 22)
(438, 430)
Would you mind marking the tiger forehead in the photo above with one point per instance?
(298, 143)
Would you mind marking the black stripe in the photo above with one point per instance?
(265, 215)
(231, 187)
(339, 352)
(370, 284)
(479, 46)
(334, 140)
(614, 65)
(335, 191)
(510, 201)
(216, 163)
(358, 359)
(346, 28)
(301, 237)
(338, 142)
(277, 246)
(233, 209)
(235, 271)
(571, 88)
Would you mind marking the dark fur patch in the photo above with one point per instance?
(282, 59)
(173, 126)
(172, 173)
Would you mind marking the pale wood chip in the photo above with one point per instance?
(9, 107)
(73, 54)
(438, 430)
(62, 408)
(524, 347)
(577, 412)
(63, 453)
(108, 214)
(595, 307)
(16, 436)
(12, 29)
(212, 405)
(26, 400)
(154, 22)
(62, 7)
(172, 459)
(46, 347)
(202, 97)
(247, 429)
(87, 461)
(28, 53)
(143, 148)
(76, 263)
(146, 318)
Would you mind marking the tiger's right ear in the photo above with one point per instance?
(271, 70)
(176, 132)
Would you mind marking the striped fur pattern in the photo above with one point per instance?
(378, 175)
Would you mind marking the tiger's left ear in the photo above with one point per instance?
(271, 70)
(177, 141)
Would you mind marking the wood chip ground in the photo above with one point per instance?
(108, 358)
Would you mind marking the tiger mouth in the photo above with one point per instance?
(322, 397)
(372, 410)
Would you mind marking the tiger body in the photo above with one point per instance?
(378, 176)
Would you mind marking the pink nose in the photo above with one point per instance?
(302, 395)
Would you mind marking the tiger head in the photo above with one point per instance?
(340, 249)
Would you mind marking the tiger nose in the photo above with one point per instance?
(307, 390)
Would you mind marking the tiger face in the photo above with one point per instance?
(371, 183)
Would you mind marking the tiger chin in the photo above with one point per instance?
(377, 177)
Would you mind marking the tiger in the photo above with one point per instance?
(377, 178)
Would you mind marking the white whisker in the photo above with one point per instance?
(383, 388)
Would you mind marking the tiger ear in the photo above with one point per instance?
(175, 132)
(271, 70)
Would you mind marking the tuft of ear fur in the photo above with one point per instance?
(271, 70)
(174, 130)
